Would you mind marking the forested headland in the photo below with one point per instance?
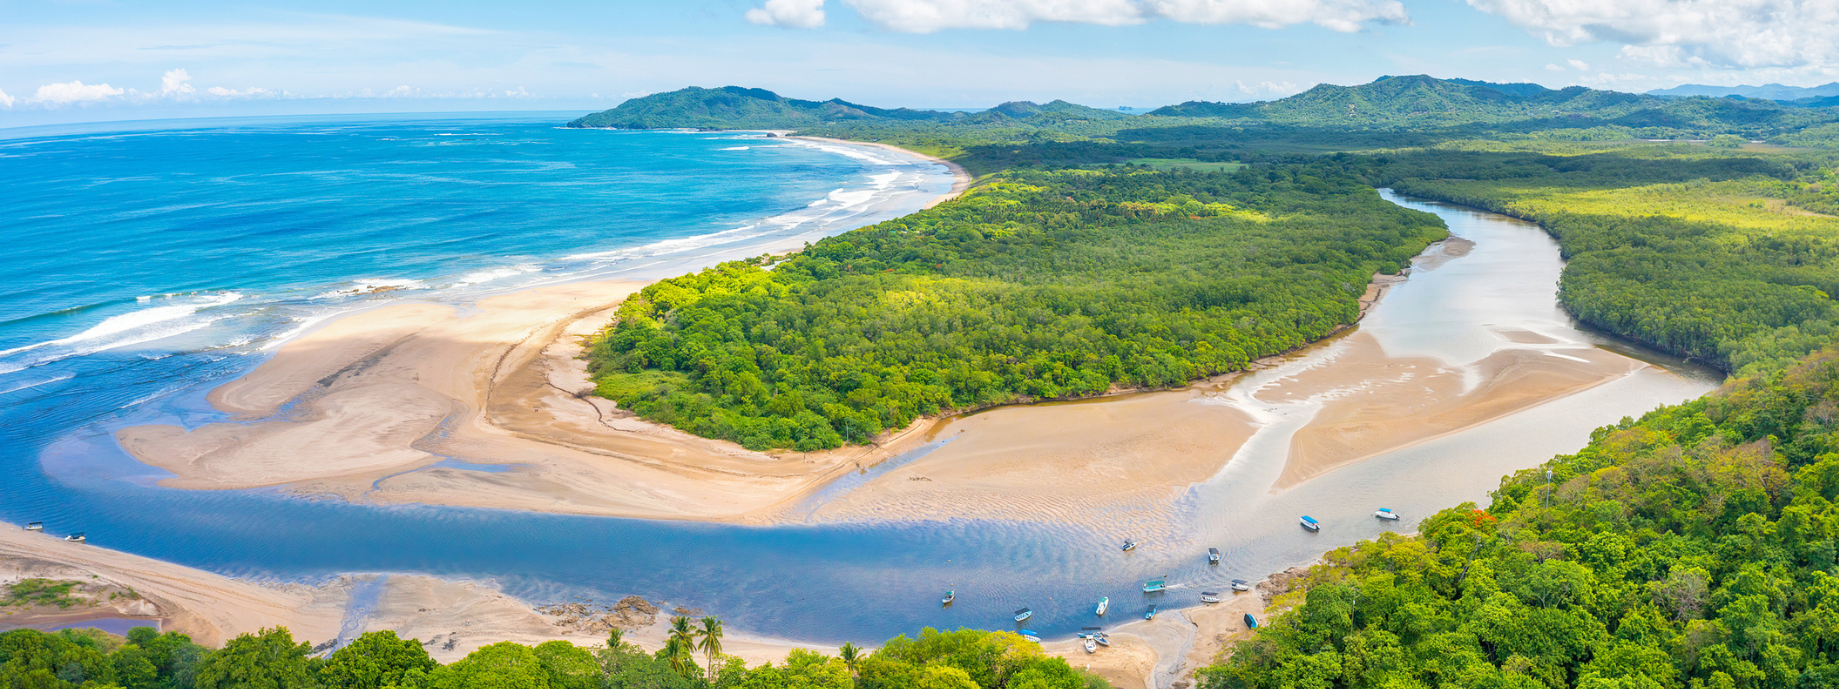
(272, 659)
(1036, 285)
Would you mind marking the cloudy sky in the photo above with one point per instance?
(76, 60)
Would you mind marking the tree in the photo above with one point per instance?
(711, 641)
(502, 665)
(269, 659)
(851, 656)
(375, 660)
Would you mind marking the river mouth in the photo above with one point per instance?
(864, 579)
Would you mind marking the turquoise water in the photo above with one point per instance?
(142, 268)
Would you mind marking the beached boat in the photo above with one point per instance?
(1102, 639)
(949, 597)
(1241, 585)
(35, 526)
(1150, 614)
(1130, 544)
(1030, 635)
(1213, 556)
(1210, 597)
(1023, 614)
(1154, 585)
(77, 537)
(1103, 605)
(1386, 513)
(1311, 524)
(1250, 622)
(1091, 646)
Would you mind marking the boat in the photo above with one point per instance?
(1250, 622)
(77, 537)
(1102, 639)
(1213, 556)
(1386, 513)
(1150, 614)
(1023, 614)
(1103, 605)
(1311, 524)
(1030, 635)
(1130, 544)
(35, 526)
(1154, 586)
(1241, 585)
(1091, 646)
(1210, 597)
(949, 597)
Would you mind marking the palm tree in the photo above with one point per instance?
(711, 642)
(616, 637)
(850, 655)
(677, 652)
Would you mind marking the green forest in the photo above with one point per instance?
(272, 659)
(1036, 285)
(1695, 547)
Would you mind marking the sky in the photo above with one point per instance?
(87, 60)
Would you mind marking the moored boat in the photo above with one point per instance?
(1102, 639)
(1210, 597)
(77, 537)
(949, 597)
(1241, 585)
(1023, 614)
(1213, 556)
(35, 526)
(1091, 646)
(1155, 585)
(1311, 524)
(1386, 513)
(1103, 605)
(1150, 614)
(1130, 544)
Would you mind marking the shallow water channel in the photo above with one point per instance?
(864, 583)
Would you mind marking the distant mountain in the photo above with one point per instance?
(1765, 91)
(734, 107)
(1422, 101)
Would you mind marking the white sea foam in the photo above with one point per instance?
(126, 330)
(480, 276)
(371, 286)
(734, 148)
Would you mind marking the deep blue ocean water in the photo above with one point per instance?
(143, 266)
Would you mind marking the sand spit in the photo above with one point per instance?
(451, 618)
(364, 408)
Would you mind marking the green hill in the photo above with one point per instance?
(734, 107)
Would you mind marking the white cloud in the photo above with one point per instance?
(796, 14)
(1549, 67)
(74, 92)
(925, 16)
(6, 100)
(1578, 65)
(173, 83)
(251, 92)
(403, 91)
(1745, 33)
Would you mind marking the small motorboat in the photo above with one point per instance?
(1155, 586)
(1090, 632)
(949, 597)
(1210, 597)
(1103, 605)
(1250, 622)
(1102, 639)
(1130, 544)
(1311, 524)
(1150, 614)
(1030, 635)
(1241, 585)
(77, 537)
(35, 526)
(1387, 514)
(1213, 556)
(1091, 646)
(1023, 614)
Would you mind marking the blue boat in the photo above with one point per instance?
(1155, 586)
(1150, 614)
(1311, 524)
(1250, 622)
(1030, 635)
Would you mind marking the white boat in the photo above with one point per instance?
(1023, 614)
(1210, 597)
(1130, 544)
(1213, 556)
(949, 597)
(1386, 513)
(1241, 585)
(1091, 646)
(1030, 635)
(1103, 605)
(76, 537)
(35, 526)
(1102, 639)
(1311, 524)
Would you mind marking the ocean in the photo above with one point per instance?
(144, 265)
